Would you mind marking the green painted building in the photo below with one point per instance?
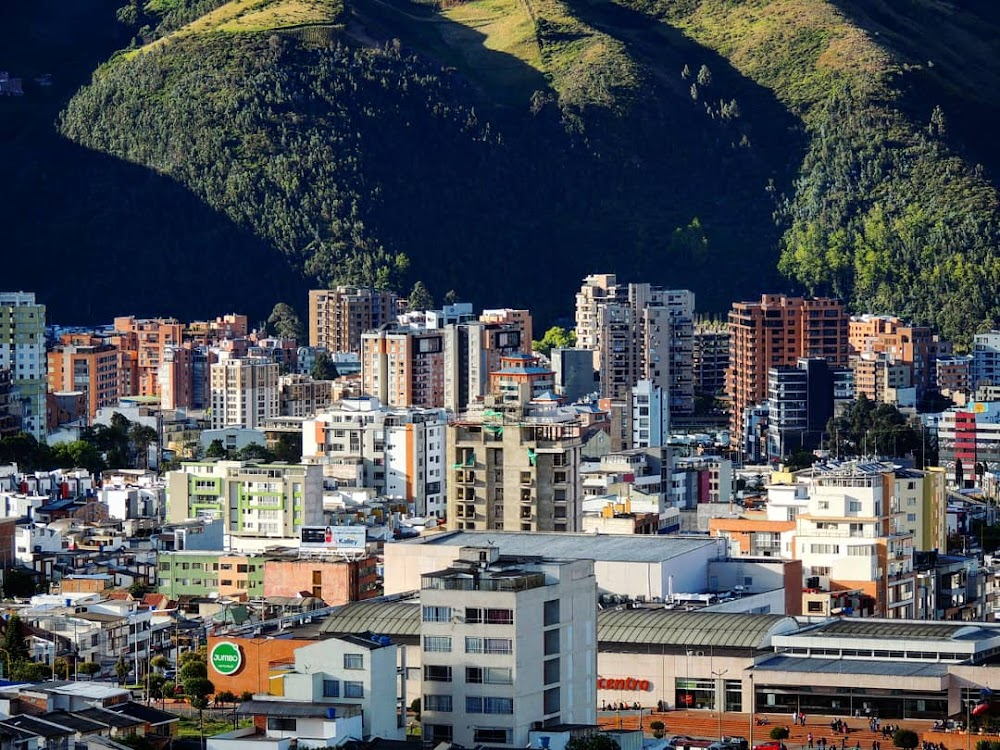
(200, 573)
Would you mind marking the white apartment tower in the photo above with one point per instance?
(22, 351)
(244, 393)
(508, 644)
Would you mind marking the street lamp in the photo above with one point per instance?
(752, 707)
(720, 695)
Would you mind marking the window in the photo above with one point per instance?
(437, 614)
(437, 733)
(551, 700)
(550, 614)
(437, 703)
(438, 643)
(354, 689)
(281, 724)
(551, 642)
(354, 661)
(825, 549)
(853, 506)
(331, 688)
(478, 704)
(551, 671)
(437, 673)
(476, 645)
(488, 675)
(815, 607)
(493, 736)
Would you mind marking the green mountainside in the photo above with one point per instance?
(509, 147)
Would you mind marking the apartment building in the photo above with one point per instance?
(22, 352)
(880, 378)
(508, 644)
(141, 342)
(710, 357)
(10, 406)
(244, 393)
(574, 374)
(301, 396)
(799, 404)
(638, 331)
(400, 452)
(986, 359)
(334, 580)
(650, 417)
(774, 332)
(472, 350)
(338, 317)
(87, 364)
(515, 472)
(210, 573)
(970, 435)
(252, 500)
(223, 328)
(521, 379)
(953, 377)
(915, 347)
(404, 366)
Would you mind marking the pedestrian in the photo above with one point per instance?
(803, 717)
(843, 743)
(809, 740)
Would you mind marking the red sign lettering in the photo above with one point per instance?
(632, 684)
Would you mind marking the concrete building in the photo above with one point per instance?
(404, 367)
(509, 643)
(520, 379)
(880, 378)
(650, 421)
(211, 573)
(473, 350)
(244, 393)
(511, 472)
(638, 331)
(953, 377)
(893, 340)
(338, 317)
(634, 566)
(970, 435)
(301, 396)
(774, 332)
(142, 342)
(22, 352)
(399, 452)
(710, 357)
(799, 403)
(986, 359)
(252, 500)
(10, 406)
(88, 364)
(333, 579)
(573, 373)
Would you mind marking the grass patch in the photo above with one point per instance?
(188, 726)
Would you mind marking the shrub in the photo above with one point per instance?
(779, 733)
(905, 738)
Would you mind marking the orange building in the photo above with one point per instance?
(915, 346)
(223, 328)
(333, 581)
(404, 367)
(262, 659)
(86, 364)
(338, 317)
(141, 342)
(773, 332)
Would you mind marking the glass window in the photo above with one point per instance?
(492, 736)
(439, 643)
(281, 724)
(354, 689)
(354, 661)
(437, 703)
(437, 614)
(331, 688)
(437, 673)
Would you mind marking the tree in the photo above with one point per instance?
(658, 728)
(415, 706)
(284, 322)
(215, 450)
(138, 589)
(599, 741)
(61, 668)
(419, 298)
(225, 696)
(704, 76)
(867, 428)
(779, 733)
(288, 447)
(31, 671)
(140, 437)
(78, 454)
(89, 668)
(450, 297)
(554, 338)
(156, 682)
(18, 584)
(254, 452)
(121, 670)
(905, 738)
(323, 368)
(14, 640)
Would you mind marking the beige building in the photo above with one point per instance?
(880, 378)
(301, 396)
(244, 393)
(338, 317)
(506, 645)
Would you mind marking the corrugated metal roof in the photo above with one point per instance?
(382, 618)
(847, 667)
(665, 627)
(861, 627)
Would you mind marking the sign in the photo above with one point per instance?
(339, 538)
(226, 658)
(623, 683)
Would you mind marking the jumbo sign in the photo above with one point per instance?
(623, 683)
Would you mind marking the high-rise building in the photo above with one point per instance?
(650, 422)
(88, 365)
(400, 452)
(473, 350)
(573, 370)
(953, 376)
(10, 408)
(638, 332)
(508, 645)
(899, 343)
(800, 403)
(404, 366)
(515, 472)
(250, 499)
(986, 359)
(338, 317)
(710, 358)
(22, 351)
(244, 393)
(880, 378)
(775, 332)
(521, 379)
(142, 342)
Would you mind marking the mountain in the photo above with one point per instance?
(507, 148)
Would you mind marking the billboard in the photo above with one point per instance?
(338, 538)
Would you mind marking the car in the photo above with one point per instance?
(170, 673)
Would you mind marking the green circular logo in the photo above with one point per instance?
(226, 657)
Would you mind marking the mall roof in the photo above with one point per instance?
(879, 667)
(611, 547)
(383, 618)
(666, 627)
(903, 629)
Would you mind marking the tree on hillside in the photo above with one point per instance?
(215, 450)
(78, 454)
(284, 322)
(26, 452)
(704, 76)
(14, 640)
(450, 297)
(554, 338)
(323, 368)
(419, 298)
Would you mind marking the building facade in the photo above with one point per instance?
(338, 317)
(22, 352)
(244, 393)
(404, 366)
(141, 342)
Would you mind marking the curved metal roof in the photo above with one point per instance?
(861, 627)
(383, 618)
(665, 627)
